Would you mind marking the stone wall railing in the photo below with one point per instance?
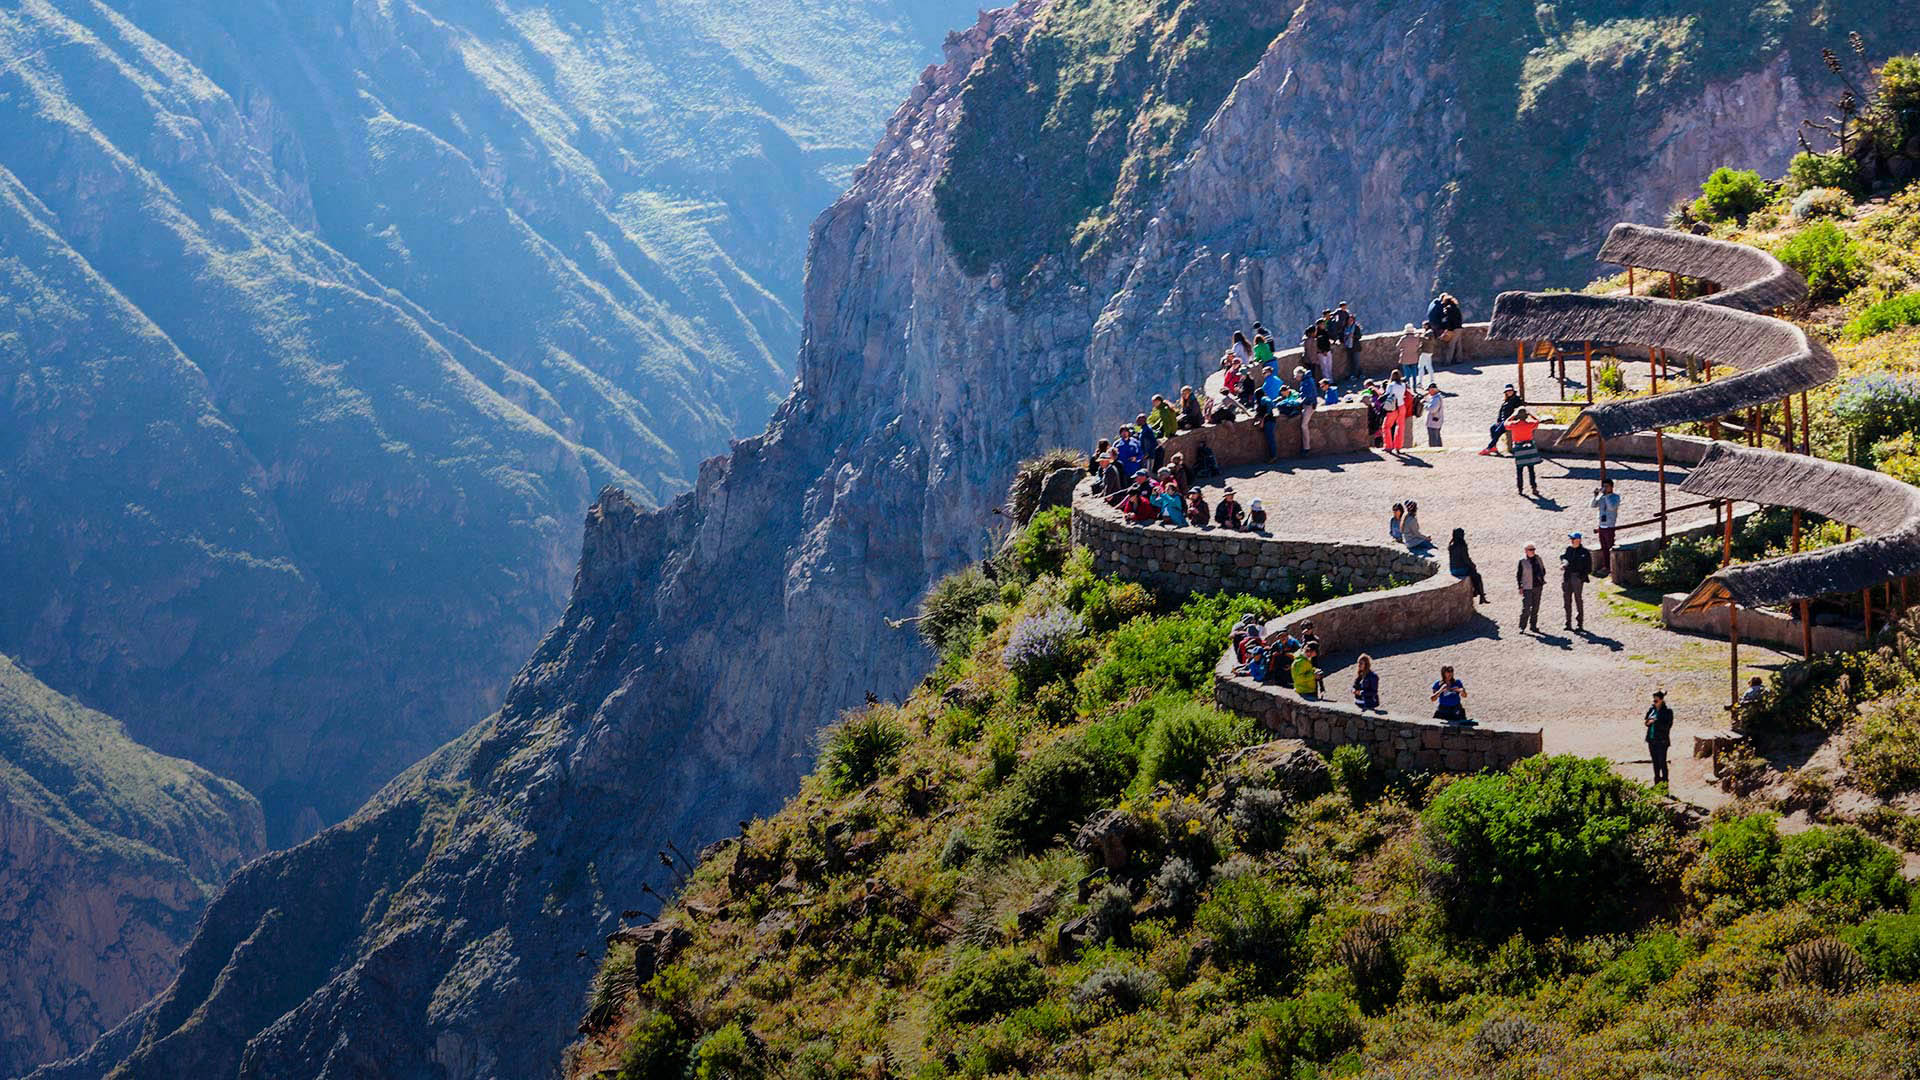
(1337, 429)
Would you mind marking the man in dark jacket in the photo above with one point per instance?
(1150, 447)
(1509, 401)
(1227, 513)
(1531, 577)
(1659, 734)
(1113, 482)
(1576, 566)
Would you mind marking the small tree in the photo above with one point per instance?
(1827, 258)
(1731, 194)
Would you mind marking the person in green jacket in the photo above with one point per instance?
(1306, 677)
(1165, 421)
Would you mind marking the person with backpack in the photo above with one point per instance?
(1576, 567)
(1509, 402)
(1393, 424)
(1526, 456)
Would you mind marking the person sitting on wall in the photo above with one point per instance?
(1177, 469)
(1449, 698)
(1256, 516)
(1306, 676)
(1227, 513)
(1138, 506)
(1209, 465)
(1198, 513)
(1126, 451)
(1166, 499)
(1193, 409)
(1165, 422)
(1366, 684)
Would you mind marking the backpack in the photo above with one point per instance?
(1414, 408)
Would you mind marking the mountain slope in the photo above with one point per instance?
(108, 853)
(317, 321)
(706, 642)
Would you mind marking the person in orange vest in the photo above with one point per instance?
(1526, 456)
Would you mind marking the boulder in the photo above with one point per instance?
(1109, 838)
(1285, 765)
(654, 946)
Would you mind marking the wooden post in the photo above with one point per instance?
(1866, 601)
(1806, 628)
(1629, 281)
(1653, 369)
(1796, 532)
(1520, 366)
(1726, 550)
(1673, 285)
(1660, 458)
(1586, 351)
(1733, 653)
(1806, 426)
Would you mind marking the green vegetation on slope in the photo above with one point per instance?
(1072, 878)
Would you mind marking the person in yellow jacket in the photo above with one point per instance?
(1164, 420)
(1306, 677)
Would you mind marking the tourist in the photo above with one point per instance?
(1198, 513)
(1138, 506)
(1126, 450)
(1393, 523)
(1451, 323)
(1307, 634)
(1324, 336)
(1308, 391)
(1751, 703)
(1659, 734)
(1262, 351)
(1460, 564)
(1576, 566)
(1272, 387)
(1113, 482)
(1526, 456)
(1754, 692)
(1329, 393)
(1193, 412)
(1410, 532)
(1607, 505)
(1348, 326)
(1166, 499)
(1150, 448)
(1436, 313)
(1509, 401)
(1255, 666)
(1166, 422)
(1227, 513)
(1449, 698)
(1376, 405)
(1209, 465)
(1242, 349)
(1182, 476)
(1306, 677)
(1393, 427)
(1256, 516)
(1310, 339)
(1434, 410)
(1366, 684)
(1531, 577)
(1101, 450)
(1409, 352)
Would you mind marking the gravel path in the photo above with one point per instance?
(1588, 690)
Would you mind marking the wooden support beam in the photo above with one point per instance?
(1866, 602)
(1806, 628)
(1603, 459)
(1733, 655)
(1660, 458)
(1586, 351)
(1520, 367)
(1726, 549)
(1796, 532)
(1806, 426)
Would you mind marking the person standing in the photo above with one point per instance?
(1409, 352)
(1509, 401)
(1531, 577)
(1449, 697)
(1126, 451)
(1306, 677)
(1451, 322)
(1309, 390)
(1429, 348)
(1150, 447)
(1607, 505)
(1434, 410)
(1659, 723)
(1366, 684)
(1393, 425)
(1324, 335)
(1526, 455)
(1576, 566)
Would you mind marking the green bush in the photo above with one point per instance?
(1808, 171)
(983, 985)
(1890, 944)
(1730, 195)
(1116, 988)
(1650, 961)
(1610, 381)
(1827, 258)
(729, 1053)
(861, 748)
(1173, 652)
(950, 612)
(1821, 202)
(1895, 114)
(1314, 1027)
(1736, 863)
(656, 1048)
(1353, 773)
(1877, 408)
(1181, 740)
(1259, 927)
(1042, 547)
(1839, 871)
(1045, 647)
(1556, 843)
(1884, 756)
(1683, 564)
(1061, 784)
(1109, 604)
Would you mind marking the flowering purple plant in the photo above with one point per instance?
(1878, 407)
(1040, 644)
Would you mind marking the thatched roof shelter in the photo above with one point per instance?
(1775, 358)
(1873, 502)
(1749, 279)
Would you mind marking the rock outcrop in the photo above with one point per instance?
(108, 854)
(706, 642)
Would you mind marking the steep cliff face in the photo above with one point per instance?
(108, 854)
(320, 322)
(707, 641)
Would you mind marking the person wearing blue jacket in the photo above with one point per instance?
(1149, 442)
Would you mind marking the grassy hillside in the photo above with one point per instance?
(1050, 861)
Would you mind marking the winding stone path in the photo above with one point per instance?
(1587, 691)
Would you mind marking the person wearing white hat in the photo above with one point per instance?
(1576, 566)
(1257, 516)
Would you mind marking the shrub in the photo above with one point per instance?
(1683, 564)
(1649, 962)
(1258, 927)
(613, 987)
(1183, 738)
(1611, 381)
(1826, 963)
(1059, 785)
(1896, 102)
(1176, 886)
(1884, 756)
(1841, 871)
(1366, 951)
(1353, 774)
(958, 849)
(950, 612)
(1878, 407)
(730, 1053)
(1110, 914)
(1890, 945)
(1110, 605)
(1260, 818)
(1003, 752)
(1730, 195)
(1044, 647)
(861, 748)
(1116, 988)
(656, 1048)
(1030, 477)
(983, 985)
(1827, 258)
(1736, 862)
(1821, 202)
(1173, 652)
(1556, 843)
(1808, 171)
(1315, 1027)
(1041, 548)
(1501, 1037)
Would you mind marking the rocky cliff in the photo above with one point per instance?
(319, 323)
(108, 854)
(1156, 173)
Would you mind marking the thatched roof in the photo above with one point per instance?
(1775, 358)
(1749, 279)
(1873, 502)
